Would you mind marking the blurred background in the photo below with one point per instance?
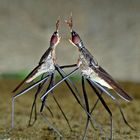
(110, 29)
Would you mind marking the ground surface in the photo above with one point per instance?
(75, 115)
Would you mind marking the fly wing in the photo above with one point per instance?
(28, 76)
(105, 76)
(89, 57)
(42, 60)
(45, 55)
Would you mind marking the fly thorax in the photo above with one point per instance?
(48, 65)
(84, 66)
(87, 71)
(53, 55)
(84, 62)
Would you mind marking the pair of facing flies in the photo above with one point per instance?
(91, 72)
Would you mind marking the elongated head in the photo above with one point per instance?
(75, 38)
(55, 38)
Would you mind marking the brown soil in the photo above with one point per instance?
(75, 114)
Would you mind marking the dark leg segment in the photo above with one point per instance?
(64, 78)
(43, 102)
(40, 86)
(52, 84)
(62, 74)
(87, 106)
(68, 66)
(23, 92)
(42, 107)
(49, 86)
(118, 105)
(104, 104)
(46, 93)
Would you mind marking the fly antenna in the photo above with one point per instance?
(57, 24)
(69, 22)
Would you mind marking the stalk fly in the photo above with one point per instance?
(46, 68)
(92, 120)
(92, 73)
(97, 78)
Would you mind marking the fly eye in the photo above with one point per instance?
(55, 33)
(73, 33)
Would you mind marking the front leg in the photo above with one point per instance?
(68, 66)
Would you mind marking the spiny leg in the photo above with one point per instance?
(104, 104)
(23, 92)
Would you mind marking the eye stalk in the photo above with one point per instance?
(75, 38)
(55, 39)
